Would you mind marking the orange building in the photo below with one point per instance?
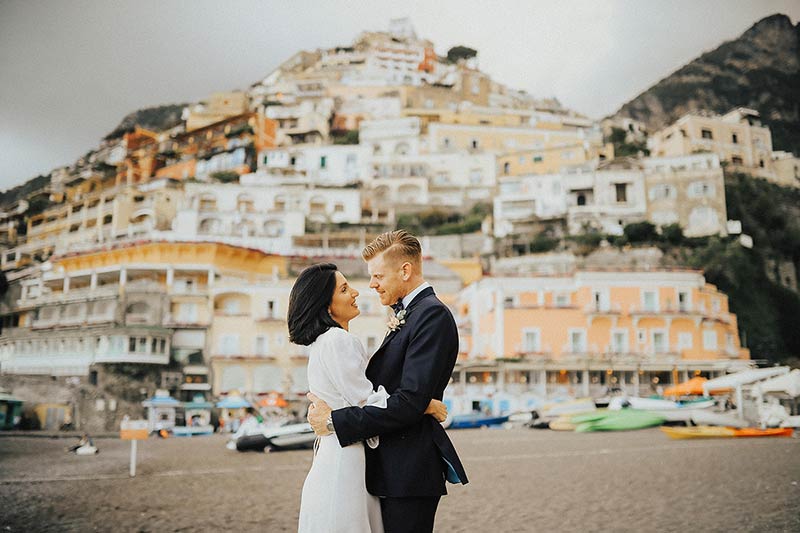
(596, 330)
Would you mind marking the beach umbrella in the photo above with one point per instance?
(233, 402)
(693, 387)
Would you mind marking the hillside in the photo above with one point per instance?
(759, 70)
(767, 311)
(156, 118)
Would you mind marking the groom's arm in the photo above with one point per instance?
(425, 362)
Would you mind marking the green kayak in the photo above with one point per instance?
(624, 419)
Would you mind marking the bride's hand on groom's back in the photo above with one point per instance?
(317, 416)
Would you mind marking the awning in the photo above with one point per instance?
(788, 384)
(743, 378)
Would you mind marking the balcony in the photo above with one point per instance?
(73, 295)
(603, 309)
(140, 319)
(172, 320)
(132, 357)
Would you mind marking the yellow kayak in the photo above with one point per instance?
(698, 432)
(563, 423)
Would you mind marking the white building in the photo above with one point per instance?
(329, 165)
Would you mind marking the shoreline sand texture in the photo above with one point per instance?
(521, 480)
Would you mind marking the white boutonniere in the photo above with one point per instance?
(396, 321)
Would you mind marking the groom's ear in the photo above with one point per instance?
(407, 270)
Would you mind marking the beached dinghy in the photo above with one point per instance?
(291, 437)
(709, 432)
(697, 432)
(623, 420)
(476, 420)
(758, 432)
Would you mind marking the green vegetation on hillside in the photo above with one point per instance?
(440, 222)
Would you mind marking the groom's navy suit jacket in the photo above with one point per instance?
(414, 364)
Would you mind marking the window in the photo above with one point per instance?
(537, 159)
(562, 300)
(474, 144)
(506, 168)
(709, 339)
(271, 307)
(683, 301)
(476, 85)
(706, 134)
(735, 139)
(729, 344)
(231, 307)
(650, 301)
(229, 344)
(641, 336)
(531, 342)
(701, 189)
(261, 345)
(737, 160)
(508, 301)
(163, 346)
(622, 192)
(685, 341)
(187, 313)
(323, 161)
(577, 341)
(600, 300)
(619, 341)
(659, 342)
(662, 192)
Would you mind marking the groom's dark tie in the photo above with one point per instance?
(398, 306)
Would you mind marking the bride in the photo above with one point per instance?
(335, 497)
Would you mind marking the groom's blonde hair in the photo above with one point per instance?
(398, 246)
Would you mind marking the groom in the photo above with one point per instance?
(409, 467)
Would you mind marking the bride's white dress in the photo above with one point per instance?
(335, 497)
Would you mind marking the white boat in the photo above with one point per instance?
(791, 422)
(708, 418)
(572, 407)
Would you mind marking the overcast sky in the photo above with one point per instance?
(70, 70)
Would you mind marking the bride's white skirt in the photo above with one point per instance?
(335, 497)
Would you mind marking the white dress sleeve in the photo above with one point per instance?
(345, 361)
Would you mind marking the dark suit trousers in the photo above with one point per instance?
(408, 515)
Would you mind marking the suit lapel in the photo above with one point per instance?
(418, 298)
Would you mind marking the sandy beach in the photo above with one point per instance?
(521, 480)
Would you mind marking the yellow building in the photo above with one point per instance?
(738, 138)
(521, 149)
(592, 330)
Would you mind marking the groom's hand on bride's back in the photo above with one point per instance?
(318, 413)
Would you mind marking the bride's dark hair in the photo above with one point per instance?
(308, 316)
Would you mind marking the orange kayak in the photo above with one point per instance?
(755, 432)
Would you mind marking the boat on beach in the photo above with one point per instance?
(697, 432)
(476, 420)
(707, 432)
(623, 420)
